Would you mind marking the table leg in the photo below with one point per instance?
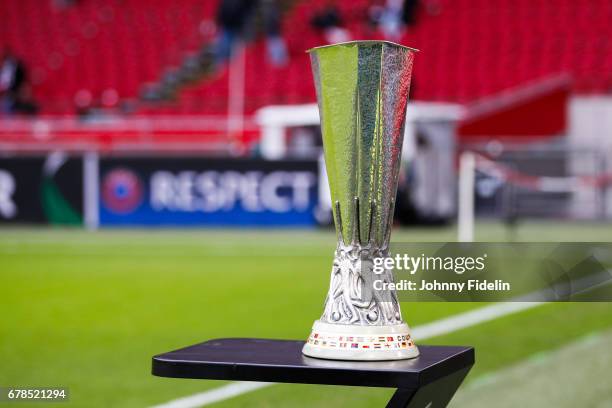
(433, 395)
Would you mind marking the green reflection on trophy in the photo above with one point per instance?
(362, 91)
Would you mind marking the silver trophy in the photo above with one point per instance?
(362, 91)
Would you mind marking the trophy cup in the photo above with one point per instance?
(362, 91)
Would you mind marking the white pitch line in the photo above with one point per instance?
(429, 330)
(470, 318)
(215, 395)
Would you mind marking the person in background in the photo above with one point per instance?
(233, 17)
(329, 21)
(409, 13)
(275, 43)
(14, 90)
(63, 4)
(394, 17)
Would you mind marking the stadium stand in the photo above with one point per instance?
(98, 46)
(109, 50)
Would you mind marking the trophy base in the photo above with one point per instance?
(360, 343)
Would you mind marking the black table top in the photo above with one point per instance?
(268, 360)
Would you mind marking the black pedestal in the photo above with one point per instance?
(428, 381)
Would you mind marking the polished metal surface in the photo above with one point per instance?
(362, 91)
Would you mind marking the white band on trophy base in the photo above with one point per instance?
(365, 343)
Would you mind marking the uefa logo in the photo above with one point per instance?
(122, 191)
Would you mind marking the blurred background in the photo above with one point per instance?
(199, 116)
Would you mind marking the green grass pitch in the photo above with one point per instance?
(87, 310)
